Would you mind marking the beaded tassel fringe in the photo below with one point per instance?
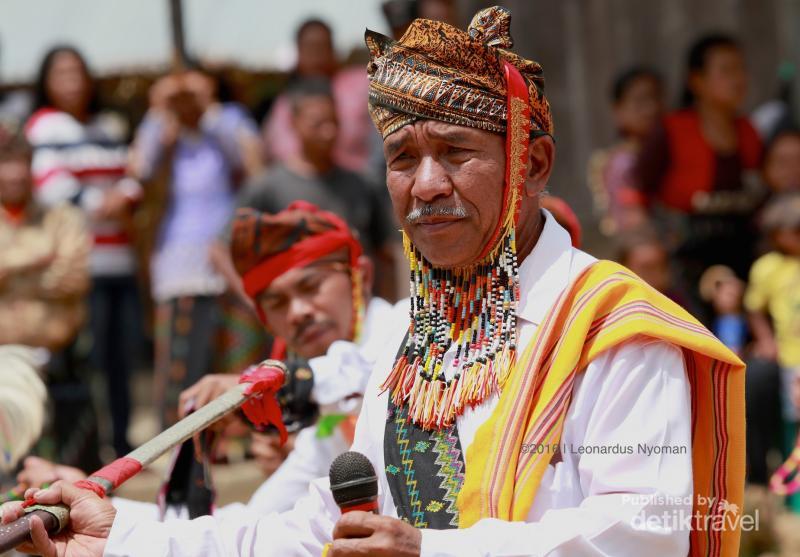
(475, 308)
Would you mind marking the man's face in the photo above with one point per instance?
(310, 307)
(15, 180)
(316, 124)
(446, 185)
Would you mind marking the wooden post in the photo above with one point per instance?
(179, 57)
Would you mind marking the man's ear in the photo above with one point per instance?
(366, 268)
(541, 156)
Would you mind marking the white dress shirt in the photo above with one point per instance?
(588, 504)
(343, 371)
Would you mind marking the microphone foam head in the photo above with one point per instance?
(352, 479)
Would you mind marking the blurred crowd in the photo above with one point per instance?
(114, 241)
(703, 202)
(114, 235)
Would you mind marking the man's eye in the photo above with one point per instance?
(403, 158)
(457, 151)
(273, 304)
(310, 285)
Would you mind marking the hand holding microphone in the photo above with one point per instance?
(361, 530)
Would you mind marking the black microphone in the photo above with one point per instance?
(353, 483)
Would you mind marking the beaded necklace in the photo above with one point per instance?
(473, 308)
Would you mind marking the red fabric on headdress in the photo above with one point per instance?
(299, 255)
(518, 129)
(303, 252)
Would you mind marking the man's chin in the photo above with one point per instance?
(450, 256)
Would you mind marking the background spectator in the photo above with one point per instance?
(781, 169)
(80, 155)
(695, 165)
(637, 98)
(773, 303)
(316, 59)
(724, 291)
(190, 149)
(313, 175)
(773, 293)
(44, 279)
(645, 253)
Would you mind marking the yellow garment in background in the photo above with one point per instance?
(604, 307)
(774, 288)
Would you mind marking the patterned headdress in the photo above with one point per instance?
(438, 72)
(264, 246)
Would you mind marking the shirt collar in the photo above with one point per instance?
(16, 219)
(545, 272)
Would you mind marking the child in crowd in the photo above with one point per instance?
(772, 300)
(773, 294)
(637, 98)
(724, 291)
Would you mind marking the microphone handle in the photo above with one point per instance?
(17, 532)
(366, 506)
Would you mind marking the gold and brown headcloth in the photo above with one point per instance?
(436, 71)
(468, 78)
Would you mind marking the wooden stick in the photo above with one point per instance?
(105, 480)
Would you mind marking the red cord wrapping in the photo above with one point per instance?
(116, 473)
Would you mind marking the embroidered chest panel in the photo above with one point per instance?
(424, 469)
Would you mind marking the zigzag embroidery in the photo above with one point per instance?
(445, 89)
(458, 94)
(450, 469)
(408, 471)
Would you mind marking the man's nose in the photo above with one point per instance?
(431, 181)
(328, 131)
(300, 309)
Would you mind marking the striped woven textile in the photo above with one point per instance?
(605, 306)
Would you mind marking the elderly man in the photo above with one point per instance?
(539, 402)
(312, 288)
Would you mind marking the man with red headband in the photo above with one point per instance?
(311, 285)
(537, 402)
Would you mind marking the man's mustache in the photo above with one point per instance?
(304, 326)
(430, 210)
